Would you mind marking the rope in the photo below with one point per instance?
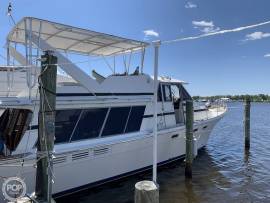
(125, 62)
(3, 57)
(129, 61)
(49, 154)
(29, 132)
(107, 63)
(142, 59)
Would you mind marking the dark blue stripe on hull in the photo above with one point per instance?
(160, 114)
(101, 182)
(102, 94)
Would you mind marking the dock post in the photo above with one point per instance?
(146, 192)
(247, 124)
(189, 138)
(46, 129)
(155, 109)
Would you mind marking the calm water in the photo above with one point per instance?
(222, 172)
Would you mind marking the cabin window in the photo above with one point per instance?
(90, 124)
(65, 121)
(135, 119)
(159, 95)
(13, 125)
(175, 92)
(116, 121)
(77, 124)
(167, 93)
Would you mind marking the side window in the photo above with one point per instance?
(167, 93)
(175, 92)
(80, 124)
(116, 121)
(90, 124)
(13, 125)
(65, 121)
(159, 95)
(135, 119)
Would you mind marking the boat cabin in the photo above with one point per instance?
(88, 108)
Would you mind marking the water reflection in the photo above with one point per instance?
(206, 174)
(190, 195)
(246, 156)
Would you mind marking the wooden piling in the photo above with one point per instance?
(247, 123)
(146, 192)
(189, 138)
(46, 130)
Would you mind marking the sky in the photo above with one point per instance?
(230, 63)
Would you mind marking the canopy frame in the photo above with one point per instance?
(42, 35)
(72, 39)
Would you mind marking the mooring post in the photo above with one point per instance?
(46, 129)
(155, 110)
(247, 123)
(189, 138)
(146, 192)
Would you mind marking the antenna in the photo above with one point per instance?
(9, 11)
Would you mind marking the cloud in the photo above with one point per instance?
(190, 5)
(205, 26)
(150, 33)
(203, 23)
(210, 29)
(218, 32)
(256, 36)
(267, 56)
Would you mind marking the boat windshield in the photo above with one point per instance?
(175, 93)
(13, 124)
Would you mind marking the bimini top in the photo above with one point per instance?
(73, 39)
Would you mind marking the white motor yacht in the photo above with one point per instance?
(104, 125)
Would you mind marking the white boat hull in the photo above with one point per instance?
(111, 160)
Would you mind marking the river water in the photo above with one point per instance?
(222, 172)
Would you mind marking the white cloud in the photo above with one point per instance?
(210, 29)
(205, 26)
(190, 5)
(256, 36)
(203, 23)
(151, 33)
(267, 55)
(221, 32)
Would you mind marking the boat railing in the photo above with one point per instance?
(210, 111)
(17, 78)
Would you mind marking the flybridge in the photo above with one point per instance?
(72, 39)
(38, 35)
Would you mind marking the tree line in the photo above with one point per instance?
(254, 98)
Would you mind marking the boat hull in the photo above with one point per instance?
(88, 167)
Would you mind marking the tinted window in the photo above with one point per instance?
(159, 96)
(13, 125)
(135, 119)
(90, 124)
(167, 93)
(65, 121)
(116, 121)
(175, 91)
